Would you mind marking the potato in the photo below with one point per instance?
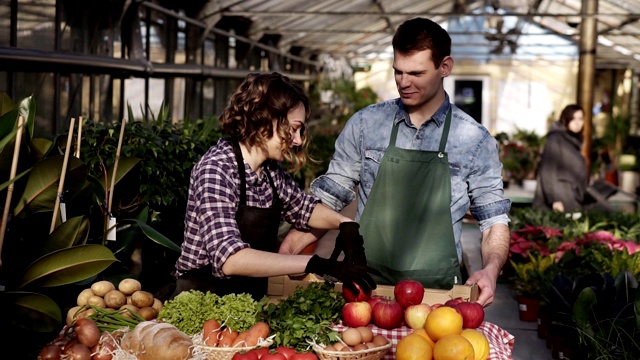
(96, 301)
(142, 299)
(157, 304)
(115, 299)
(125, 310)
(148, 313)
(128, 286)
(83, 296)
(78, 312)
(101, 288)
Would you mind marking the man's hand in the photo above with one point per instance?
(342, 271)
(486, 284)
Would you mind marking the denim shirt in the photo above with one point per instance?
(476, 180)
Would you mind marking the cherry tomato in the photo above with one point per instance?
(286, 351)
(241, 355)
(273, 356)
(304, 356)
(260, 351)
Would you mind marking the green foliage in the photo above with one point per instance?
(520, 153)
(167, 152)
(533, 278)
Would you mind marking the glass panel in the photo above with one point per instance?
(36, 29)
(5, 23)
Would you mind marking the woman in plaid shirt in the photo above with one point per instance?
(239, 193)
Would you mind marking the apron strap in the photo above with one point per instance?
(239, 160)
(443, 138)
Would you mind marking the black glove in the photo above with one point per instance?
(351, 242)
(348, 274)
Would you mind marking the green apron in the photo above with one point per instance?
(406, 223)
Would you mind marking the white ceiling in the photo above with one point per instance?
(362, 29)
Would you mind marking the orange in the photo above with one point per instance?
(443, 321)
(479, 341)
(453, 347)
(422, 332)
(413, 347)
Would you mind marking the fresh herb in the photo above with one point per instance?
(305, 316)
(189, 310)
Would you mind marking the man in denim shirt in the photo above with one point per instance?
(419, 163)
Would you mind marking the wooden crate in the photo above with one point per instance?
(283, 286)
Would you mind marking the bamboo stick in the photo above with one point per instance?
(12, 174)
(63, 173)
(115, 165)
(79, 137)
(111, 221)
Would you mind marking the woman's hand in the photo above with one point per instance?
(558, 206)
(296, 241)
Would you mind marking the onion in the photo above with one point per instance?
(78, 352)
(50, 352)
(87, 332)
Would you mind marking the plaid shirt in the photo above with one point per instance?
(211, 232)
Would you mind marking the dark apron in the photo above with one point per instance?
(258, 227)
(406, 223)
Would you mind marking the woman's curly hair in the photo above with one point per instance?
(259, 100)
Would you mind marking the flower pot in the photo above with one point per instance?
(544, 320)
(528, 308)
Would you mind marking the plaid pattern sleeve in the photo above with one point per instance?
(211, 232)
(500, 341)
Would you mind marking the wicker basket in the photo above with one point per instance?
(202, 351)
(368, 354)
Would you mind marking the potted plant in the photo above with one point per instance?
(520, 155)
(532, 279)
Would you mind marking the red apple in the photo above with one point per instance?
(388, 314)
(435, 306)
(408, 292)
(454, 302)
(356, 313)
(416, 315)
(373, 300)
(472, 314)
(350, 296)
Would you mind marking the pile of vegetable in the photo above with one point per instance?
(305, 315)
(128, 300)
(189, 310)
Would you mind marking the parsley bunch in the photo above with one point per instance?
(305, 315)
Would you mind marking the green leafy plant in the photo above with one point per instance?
(43, 269)
(533, 278)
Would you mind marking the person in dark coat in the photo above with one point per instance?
(563, 177)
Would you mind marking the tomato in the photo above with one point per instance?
(304, 356)
(273, 356)
(241, 355)
(260, 351)
(286, 351)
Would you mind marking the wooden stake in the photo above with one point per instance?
(79, 137)
(115, 165)
(12, 174)
(63, 173)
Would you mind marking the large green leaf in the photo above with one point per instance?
(154, 235)
(74, 231)
(40, 147)
(583, 308)
(6, 104)
(18, 176)
(124, 166)
(27, 109)
(31, 311)
(67, 266)
(42, 186)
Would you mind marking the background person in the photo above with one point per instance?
(239, 193)
(419, 163)
(562, 176)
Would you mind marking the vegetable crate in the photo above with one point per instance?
(282, 286)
